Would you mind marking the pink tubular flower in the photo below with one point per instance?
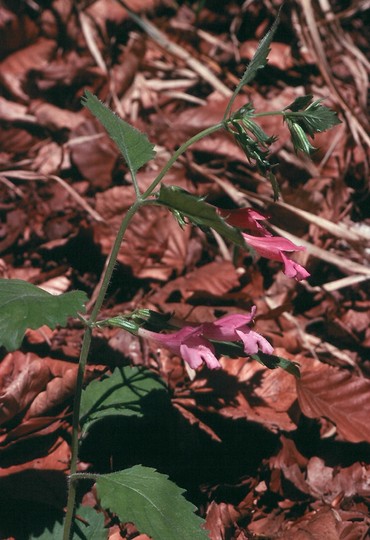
(187, 343)
(235, 327)
(193, 343)
(273, 247)
(244, 218)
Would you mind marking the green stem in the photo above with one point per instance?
(179, 151)
(82, 364)
(271, 113)
(141, 201)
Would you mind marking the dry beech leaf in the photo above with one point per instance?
(57, 458)
(337, 395)
(280, 55)
(19, 391)
(219, 519)
(11, 111)
(96, 156)
(326, 483)
(216, 278)
(14, 68)
(55, 118)
(257, 394)
(154, 246)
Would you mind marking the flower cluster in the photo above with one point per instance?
(266, 245)
(194, 343)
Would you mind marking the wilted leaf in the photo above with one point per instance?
(134, 145)
(151, 501)
(23, 305)
(325, 391)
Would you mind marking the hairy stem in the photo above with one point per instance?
(179, 151)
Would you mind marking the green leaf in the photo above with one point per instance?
(198, 212)
(53, 532)
(299, 103)
(134, 145)
(129, 391)
(152, 502)
(258, 61)
(313, 118)
(272, 362)
(317, 118)
(92, 526)
(23, 305)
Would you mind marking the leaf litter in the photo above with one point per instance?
(260, 454)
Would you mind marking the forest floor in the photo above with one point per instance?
(260, 453)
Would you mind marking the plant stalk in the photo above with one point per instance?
(141, 201)
(179, 151)
(82, 364)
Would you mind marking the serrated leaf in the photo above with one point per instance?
(198, 212)
(133, 145)
(23, 305)
(299, 103)
(152, 502)
(259, 59)
(128, 391)
(92, 528)
(317, 118)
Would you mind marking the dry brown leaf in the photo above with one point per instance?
(154, 247)
(93, 153)
(216, 279)
(54, 118)
(11, 111)
(337, 395)
(16, 30)
(22, 379)
(261, 395)
(14, 69)
(219, 519)
(326, 483)
(280, 55)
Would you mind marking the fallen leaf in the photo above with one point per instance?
(338, 395)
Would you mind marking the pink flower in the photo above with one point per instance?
(235, 327)
(273, 247)
(187, 343)
(244, 218)
(193, 343)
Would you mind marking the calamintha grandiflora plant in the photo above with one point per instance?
(141, 494)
